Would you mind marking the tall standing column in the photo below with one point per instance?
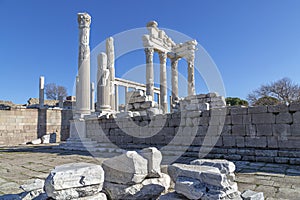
(110, 52)
(149, 72)
(83, 97)
(126, 97)
(174, 79)
(92, 97)
(41, 91)
(163, 81)
(116, 97)
(191, 76)
(103, 97)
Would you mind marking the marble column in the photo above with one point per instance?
(149, 72)
(110, 52)
(191, 76)
(92, 97)
(61, 101)
(163, 81)
(126, 97)
(83, 97)
(41, 91)
(174, 79)
(116, 98)
(103, 97)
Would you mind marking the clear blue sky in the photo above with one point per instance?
(252, 41)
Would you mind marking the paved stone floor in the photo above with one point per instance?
(22, 163)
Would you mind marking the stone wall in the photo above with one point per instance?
(265, 133)
(19, 126)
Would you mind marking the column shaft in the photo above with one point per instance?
(103, 97)
(174, 79)
(191, 77)
(83, 96)
(149, 72)
(41, 91)
(163, 82)
(92, 97)
(116, 98)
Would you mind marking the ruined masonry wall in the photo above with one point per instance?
(264, 133)
(23, 125)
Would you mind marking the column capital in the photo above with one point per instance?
(162, 57)
(84, 20)
(149, 51)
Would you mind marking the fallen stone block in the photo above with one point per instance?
(224, 166)
(154, 158)
(205, 174)
(148, 189)
(251, 195)
(128, 168)
(191, 188)
(74, 180)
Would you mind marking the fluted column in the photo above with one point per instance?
(116, 98)
(163, 81)
(110, 52)
(174, 79)
(191, 76)
(83, 96)
(103, 97)
(149, 72)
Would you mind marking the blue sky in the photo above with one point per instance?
(252, 42)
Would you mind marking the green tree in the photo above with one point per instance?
(266, 101)
(235, 101)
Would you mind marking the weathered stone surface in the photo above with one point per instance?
(74, 180)
(99, 196)
(35, 184)
(251, 195)
(148, 189)
(128, 168)
(73, 193)
(154, 158)
(205, 174)
(224, 166)
(191, 188)
(172, 196)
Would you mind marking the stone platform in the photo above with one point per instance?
(22, 163)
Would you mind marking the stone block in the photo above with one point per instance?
(264, 159)
(294, 107)
(239, 110)
(229, 141)
(239, 130)
(281, 160)
(278, 108)
(289, 143)
(272, 142)
(295, 129)
(284, 118)
(281, 130)
(256, 142)
(74, 180)
(225, 166)
(205, 174)
(237, 119)
(128, 168)
(154, 158)
(266, 152)
(263, 118)
(251, 195)
(257, 109)
(264, 130)
(296, 117)
(189, 187)
(240, 141)
(148, 189)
